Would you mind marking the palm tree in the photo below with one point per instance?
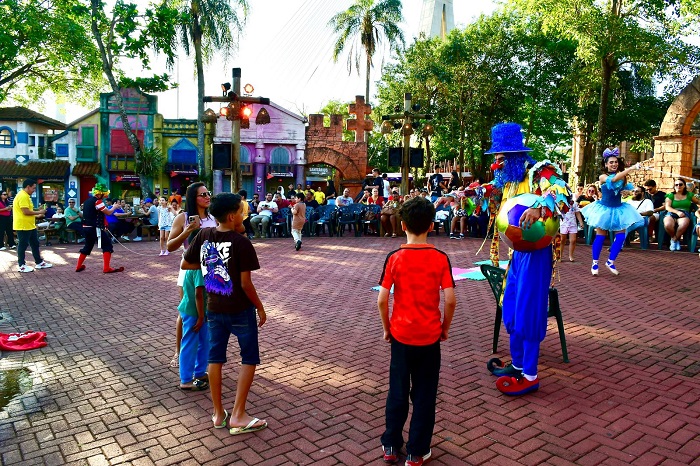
(371, 22)
(213, 26)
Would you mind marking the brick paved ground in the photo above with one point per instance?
(103, 392)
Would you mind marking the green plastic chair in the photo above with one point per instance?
(495, 275)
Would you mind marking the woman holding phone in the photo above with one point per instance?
(185, 226)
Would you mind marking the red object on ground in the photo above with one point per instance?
(22, 341)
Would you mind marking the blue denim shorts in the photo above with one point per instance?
(244, 326)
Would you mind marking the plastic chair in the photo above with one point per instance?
(495, 277)
(348, 215)
(367, 223)
(327, 215)
(307, 230)
(690, 238)
(280, 224)
(643, 232)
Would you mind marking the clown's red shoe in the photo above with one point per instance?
(513, 386)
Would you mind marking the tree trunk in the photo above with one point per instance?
(460, 159)
(607, 66)
(200, 97)
(369, 65)
(107, 69)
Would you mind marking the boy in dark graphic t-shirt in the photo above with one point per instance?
(227, 258)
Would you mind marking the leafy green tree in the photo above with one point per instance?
(612, 36)
(45, 45)
(211, 26)
(125, 32)
(336, 107)
(370, 22)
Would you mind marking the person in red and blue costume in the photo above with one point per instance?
(95, 229)
(526, 289)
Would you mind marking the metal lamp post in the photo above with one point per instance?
(233, 113)
(406, 121)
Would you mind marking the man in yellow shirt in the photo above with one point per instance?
(319, 196)
(24, 223)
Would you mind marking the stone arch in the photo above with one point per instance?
(352, 169)
(324, 144)
(673, 150)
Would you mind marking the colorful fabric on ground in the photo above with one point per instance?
(22, 341)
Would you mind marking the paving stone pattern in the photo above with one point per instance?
(103, 392)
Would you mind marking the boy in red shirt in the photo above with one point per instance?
(417, 271)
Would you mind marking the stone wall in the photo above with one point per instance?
(324, 144)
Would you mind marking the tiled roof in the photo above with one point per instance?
(86, 168)
(49, 169)
(24, 114)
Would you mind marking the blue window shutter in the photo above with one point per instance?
(61, 150)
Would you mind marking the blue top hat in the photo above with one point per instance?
(505, 138)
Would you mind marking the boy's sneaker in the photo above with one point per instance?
(138, 238)
(414, 460)
(390, 455)
(43, 265)
(13, 247)
(452, 236)
(125, 238)
(297, 246)
(25, 268)
(515, 386)
(594, 269)
(3, 248)
(461, 236)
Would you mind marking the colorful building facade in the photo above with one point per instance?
(25, 152)
(272, 155)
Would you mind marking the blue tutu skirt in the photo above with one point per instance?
(610, 218)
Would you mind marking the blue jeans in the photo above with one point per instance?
(194, 349)
(28, 238)
(414, 372)
(243, 325)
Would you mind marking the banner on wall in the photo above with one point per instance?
(319, 172)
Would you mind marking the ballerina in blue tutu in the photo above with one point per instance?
(610, 213)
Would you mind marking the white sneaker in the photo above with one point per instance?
(43, 265)
(166, 253)
(3, 248)
(25, 268)
(125, 238)
(138, 238)
(13, 247)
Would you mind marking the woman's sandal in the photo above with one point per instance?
(223, 423)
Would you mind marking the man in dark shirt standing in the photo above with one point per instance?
(658, 198)
(436, 185)
(95, 229)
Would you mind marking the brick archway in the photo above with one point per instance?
(674, 144)
(325, 145)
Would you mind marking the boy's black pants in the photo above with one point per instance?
(414, 371)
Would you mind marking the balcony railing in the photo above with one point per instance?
(86, 154)
(120, 162)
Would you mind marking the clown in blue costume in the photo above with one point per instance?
(610, 213)
(526, 289)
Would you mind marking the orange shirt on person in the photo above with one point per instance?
(418, 272)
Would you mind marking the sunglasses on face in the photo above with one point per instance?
(678, 184)
(205, 194)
